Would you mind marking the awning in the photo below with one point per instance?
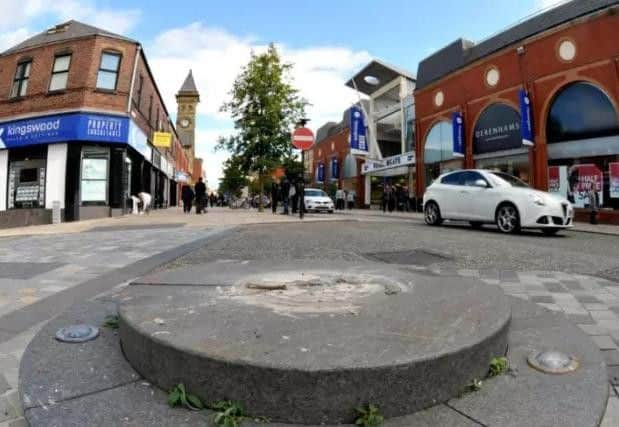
(389, 166)
(384, 72)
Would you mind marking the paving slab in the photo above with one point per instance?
(71, 370)
(578, 399)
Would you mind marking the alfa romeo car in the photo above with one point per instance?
(487, 197)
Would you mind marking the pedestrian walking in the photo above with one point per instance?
(386, 196)
(200, 191)
(274, 196)
(212, 199)
(187, 196)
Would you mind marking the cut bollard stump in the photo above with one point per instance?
(308, 343)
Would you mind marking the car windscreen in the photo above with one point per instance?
(315, 193)
(510, 179)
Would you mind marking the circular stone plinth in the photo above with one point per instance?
(307, 343)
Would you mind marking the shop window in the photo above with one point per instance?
(107, 77)
(60, 72)
(94, 177)
(438, 156)
(20, 81)
(26, 183)
(581, 111)
(515, 164)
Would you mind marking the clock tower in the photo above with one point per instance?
(187, 100)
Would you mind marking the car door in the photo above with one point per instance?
(471, 197)
(449, 188)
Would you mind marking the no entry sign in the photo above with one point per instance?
(303, 138)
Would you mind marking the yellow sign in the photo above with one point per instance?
(162, 139)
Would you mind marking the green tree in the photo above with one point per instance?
(265, 107)
(234, 178)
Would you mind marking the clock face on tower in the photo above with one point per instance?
(185, 123)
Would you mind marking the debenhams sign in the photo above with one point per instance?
(497, 129)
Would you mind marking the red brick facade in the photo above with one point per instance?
(539, 69)
(337, 146)
(81, 91)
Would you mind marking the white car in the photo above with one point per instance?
(485, 197)
(316, 200)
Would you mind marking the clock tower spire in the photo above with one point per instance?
(187, 100)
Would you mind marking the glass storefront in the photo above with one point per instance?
(583, 146)
(516, 164)
(438, 156)
(94, 176)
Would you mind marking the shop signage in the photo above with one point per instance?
(162, 139)
(64, 128)
(457, 125)
(181, 176)
(581, 178)
(320, 173)
(388, 162)
(497, 129)
(137, 139)
(335, 168)
(526, 121)
(357, 135)
(613, 177)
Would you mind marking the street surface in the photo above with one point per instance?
(43, 270)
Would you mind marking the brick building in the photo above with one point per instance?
(332, 162)
(555, 76)
(78, 109)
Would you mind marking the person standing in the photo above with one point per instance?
(594, 204)
(285, 192)
(292, 196)
(339, 199)
(187, 196)
(351, 199)
(274, 196)
(386, 195)
(200, 190)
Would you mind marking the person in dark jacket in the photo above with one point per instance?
(274, 196)
(187, 196)
(200, 190)
(285, 193)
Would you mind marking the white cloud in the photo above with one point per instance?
(23, 12)
(217, 56)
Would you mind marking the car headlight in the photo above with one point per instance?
(538, 201)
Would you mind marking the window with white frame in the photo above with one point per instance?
(60, 72)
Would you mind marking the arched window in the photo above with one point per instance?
(439, 143)
(581, 111)
(438, 156)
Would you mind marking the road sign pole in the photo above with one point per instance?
(301, 195)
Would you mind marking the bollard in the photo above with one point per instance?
(56, 219)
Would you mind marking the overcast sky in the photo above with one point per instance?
(327, 40)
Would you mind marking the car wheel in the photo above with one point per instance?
(476, 225)
(507, 218)
(550, 231)
(432, 214)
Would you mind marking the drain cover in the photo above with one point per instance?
(408, 257)
(553, 362)
(77, 333)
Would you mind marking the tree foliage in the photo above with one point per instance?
(234, 178)
(265, 107)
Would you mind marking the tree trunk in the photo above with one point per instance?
(261, 202)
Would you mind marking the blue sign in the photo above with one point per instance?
(457, 125)
(64, 128)
(335, 168)
(320, 173)
(526, 121)
(358, 140)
